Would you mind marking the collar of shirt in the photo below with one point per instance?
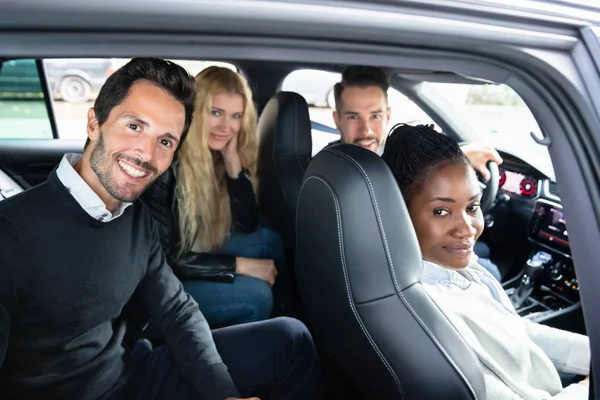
(434, 274)
(80, 190)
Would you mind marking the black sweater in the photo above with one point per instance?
(65, 279)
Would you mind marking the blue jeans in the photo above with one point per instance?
(247, 299)
(483, 253)
(273, 359)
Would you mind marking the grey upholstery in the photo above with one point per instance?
(358, 266)
(285, 147)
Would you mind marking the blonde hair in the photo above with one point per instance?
(201, 189)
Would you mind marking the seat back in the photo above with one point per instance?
(358, 267)
(285, 147)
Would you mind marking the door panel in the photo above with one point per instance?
(29, 162)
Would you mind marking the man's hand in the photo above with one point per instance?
(479, 154)
(257, 267)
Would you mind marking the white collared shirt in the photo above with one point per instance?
(80, 190)
(434, 274)
(519, 359)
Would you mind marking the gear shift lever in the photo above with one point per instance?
(521, 293)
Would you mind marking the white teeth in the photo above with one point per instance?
(366, 142)
(136, 173)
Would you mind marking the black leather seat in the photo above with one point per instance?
(358, 266)
(285, 147)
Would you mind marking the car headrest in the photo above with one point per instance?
(358, 266)
(286, 118)
(375, 225)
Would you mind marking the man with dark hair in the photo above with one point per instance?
(79, 247)
(169, 77)
(362, 115)
(361, 107)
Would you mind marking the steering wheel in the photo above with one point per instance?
(489, 188)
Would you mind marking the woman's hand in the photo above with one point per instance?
(231, 157)
(258, 268)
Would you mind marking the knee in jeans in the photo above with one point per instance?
(270, 238)
(260, 296)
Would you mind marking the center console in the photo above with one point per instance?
(547, 286)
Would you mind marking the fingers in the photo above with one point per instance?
(270, 278)
(497, 159)
(494, 156)
(273, 273)
(483, 171)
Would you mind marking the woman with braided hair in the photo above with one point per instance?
(520, 359)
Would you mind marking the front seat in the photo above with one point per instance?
(358, 266)
(285, 147)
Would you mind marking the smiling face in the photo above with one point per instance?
(224, 119)
(134, 146)
(446, 215)
(363, 117)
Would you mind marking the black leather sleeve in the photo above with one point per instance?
(206, 266)
(160, 199)
(244, 209)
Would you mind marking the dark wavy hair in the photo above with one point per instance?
(166, 75)
(360, 76)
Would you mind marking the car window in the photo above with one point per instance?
(316, 86)
(23, 109)
(75, 83)
(498, 116)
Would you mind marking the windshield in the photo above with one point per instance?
(498, 116)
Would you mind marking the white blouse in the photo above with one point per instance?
(520, 359)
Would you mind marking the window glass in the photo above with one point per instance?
(23, 110)
(316, 87)
(75, 83)
(498, 116)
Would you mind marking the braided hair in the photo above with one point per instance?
(416, 153)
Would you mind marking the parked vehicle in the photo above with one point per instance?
(72, 80)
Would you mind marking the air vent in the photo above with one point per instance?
(553, 188)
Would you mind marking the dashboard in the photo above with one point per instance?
(548, 227)
(519, 184)
(536, 196)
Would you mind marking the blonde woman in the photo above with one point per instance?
(207, 212)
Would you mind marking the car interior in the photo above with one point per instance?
(323, 201)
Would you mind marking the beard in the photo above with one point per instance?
(380, 143)
(102, 164)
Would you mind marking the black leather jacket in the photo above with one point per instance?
(160, 198)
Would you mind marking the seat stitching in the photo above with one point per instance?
(391, 268)
(344, 270)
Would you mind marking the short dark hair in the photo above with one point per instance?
(361, 76)
(164, 74)
(415, 153)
